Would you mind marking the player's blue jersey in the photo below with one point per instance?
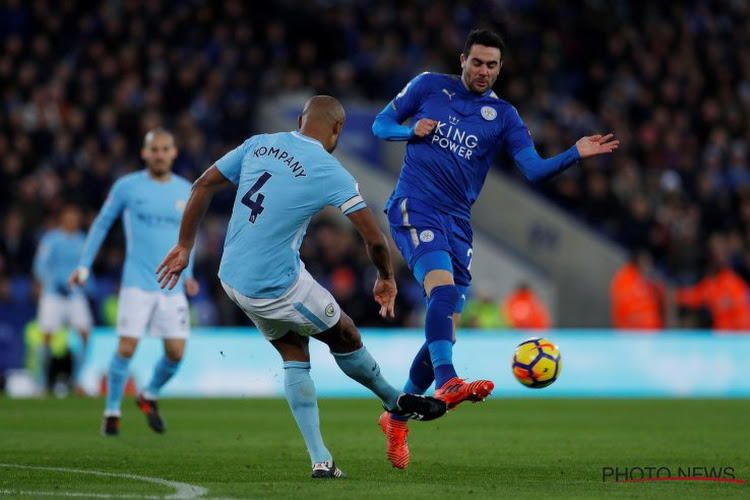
(151, 215)
(283, 180)
(56, 258)
(447, 169)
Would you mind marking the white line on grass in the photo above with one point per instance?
(182, 490)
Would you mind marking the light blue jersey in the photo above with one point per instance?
(151, 214)
(283, 180)
(56, 258)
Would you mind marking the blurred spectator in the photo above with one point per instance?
(81, 82)
(524, 310)
(722, 291)
(481, 311)
(16, 245)
(637, 295)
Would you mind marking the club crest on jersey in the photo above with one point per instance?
(330, 310)
(426, 236)
(488, 113)
(180, 205)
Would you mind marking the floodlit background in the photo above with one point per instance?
(81, 83)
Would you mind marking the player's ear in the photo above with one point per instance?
(338, 127)
(463, 60)
(299, 122)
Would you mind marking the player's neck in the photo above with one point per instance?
(314, 133)
(160, 177)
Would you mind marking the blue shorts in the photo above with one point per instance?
(418, 229)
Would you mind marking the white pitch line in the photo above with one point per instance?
(182, 490)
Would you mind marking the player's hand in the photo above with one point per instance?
(385, 294)
(77, 277)
(424, 127)
(594, 145)
(192, 287)
(172, 266)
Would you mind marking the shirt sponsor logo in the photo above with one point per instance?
(449, 136)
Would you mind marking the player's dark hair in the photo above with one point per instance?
(485, 37)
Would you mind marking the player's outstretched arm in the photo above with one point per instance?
(537, 169)
(377, 249)
(177, 259)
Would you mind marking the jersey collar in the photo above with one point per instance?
(306, 138)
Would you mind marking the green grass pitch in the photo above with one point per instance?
(250, 448)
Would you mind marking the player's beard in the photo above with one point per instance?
(159, 169)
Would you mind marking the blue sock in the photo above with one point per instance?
(300, 394)
(163, 371)
(421, 373)
(421, 376)
(439, 331)
(117, 376)
(360, 366)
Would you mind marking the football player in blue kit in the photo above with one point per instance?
(459, 125)
(282, 181)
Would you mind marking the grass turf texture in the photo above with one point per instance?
(249, 448)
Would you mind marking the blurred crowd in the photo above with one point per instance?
(81, 82)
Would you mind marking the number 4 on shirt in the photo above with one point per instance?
(256, 206)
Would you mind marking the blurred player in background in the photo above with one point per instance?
(151, 202)
(458, 127)
(283, 181)
(56, 257)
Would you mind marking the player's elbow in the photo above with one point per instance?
(378, 127)
(534, 176)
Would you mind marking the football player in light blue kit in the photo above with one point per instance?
(283, 180)
(151, 202)
(459, 125)
(56, 257)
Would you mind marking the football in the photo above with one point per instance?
(536, 363)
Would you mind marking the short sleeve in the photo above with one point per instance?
(230, 165)
(343, 191)
(516, 134)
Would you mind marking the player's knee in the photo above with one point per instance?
(350, 339)
(126, 347)
(444, 297)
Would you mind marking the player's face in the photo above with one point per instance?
(70, 219)
(480, 68)
(159, 153)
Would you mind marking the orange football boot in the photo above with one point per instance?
(395, 432)
(455, 391)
